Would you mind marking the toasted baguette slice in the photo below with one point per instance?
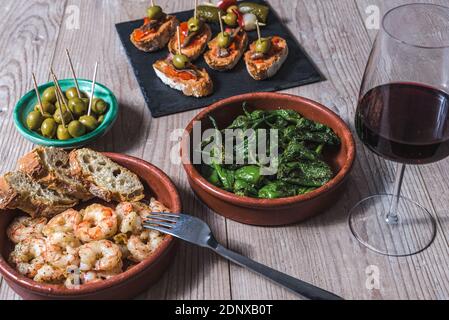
(149, 40)
(268, 66)
(104, 178)
(235, 52)
(197, 86)
(196, 47)
(19, 191)
(51, 167)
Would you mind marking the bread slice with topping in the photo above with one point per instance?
(20, 191)
(154, 35)
(266, 66)
(223, 59)
(191, 81)
(51, 167)
(195, 44)
(104, 178)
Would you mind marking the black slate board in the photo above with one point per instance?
(162, 100)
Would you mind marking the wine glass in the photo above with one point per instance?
(403, 116)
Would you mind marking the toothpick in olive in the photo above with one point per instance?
(89, 122)
(71, 93)
(224, 39)
(49, 95)
(263, 45)
(180, 61)
(154, 12)
(34, 120)
(65, 114)
(48, 128)
(62, 133)
(194, 24)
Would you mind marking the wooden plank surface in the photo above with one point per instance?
(35, 35)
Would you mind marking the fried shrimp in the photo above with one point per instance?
(129, 217)
(96, 276)
(25, 227)
(28, 256)
(102, 255)
(62, 257)
(49, 274)
(142, 246)
(63, 222)
(99, 222)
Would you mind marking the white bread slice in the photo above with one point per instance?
(104, 178)
(19, 191)
(200, 87)
(156, 40)
(226, 63)
(50, 167)
(195, 49)
(267, 67)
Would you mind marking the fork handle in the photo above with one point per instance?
(297, 286)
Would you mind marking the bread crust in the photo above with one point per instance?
(33, 164)
(192, 51)
(157, 40)
(11, 199)
(269, 66)
(229, 62)
(93, 188)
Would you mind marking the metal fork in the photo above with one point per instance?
(196, 231)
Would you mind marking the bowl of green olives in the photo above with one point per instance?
(66, 124)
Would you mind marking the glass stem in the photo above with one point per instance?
(392, 216)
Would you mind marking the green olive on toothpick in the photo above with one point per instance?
(180, 61)
(154, 12)
(263, 45)
(224, 38)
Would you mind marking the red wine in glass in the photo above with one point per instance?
(405, 122)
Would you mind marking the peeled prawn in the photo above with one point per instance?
(142, 246)
(63, 222)
(102, 255)
(25, 227)
(99, 222)
(28, 256)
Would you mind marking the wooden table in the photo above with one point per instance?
(33, 37)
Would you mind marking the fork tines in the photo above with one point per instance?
(161, 219)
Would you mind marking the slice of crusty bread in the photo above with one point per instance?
(51, 167)
(157, 40)
(200, 87)
(196, 47)
(226, 63)
(262, 69)
(20, 191)
(104, 178)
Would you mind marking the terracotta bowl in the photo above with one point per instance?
(265, 212)
(123, 286)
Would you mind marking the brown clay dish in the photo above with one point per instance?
(123, 286)
(267, 212)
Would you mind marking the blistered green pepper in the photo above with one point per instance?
(250, 174)
(209, 13)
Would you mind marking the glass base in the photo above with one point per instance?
(412, 232)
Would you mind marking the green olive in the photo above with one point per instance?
(194, 24)
(48, 128)
(34, 120)
(89, 122)
(224, 40)
(154, 12)
(101, 119)
(232, 8)
(62, 133)
(49, 95)
(65, 115)
(76, 129)
(99, 106)
(263, 45)
(71, 93)
(180, 61)
(86, 101)
(46, 107)
(77, 106)
(230, 19)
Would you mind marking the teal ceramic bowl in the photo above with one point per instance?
(29, 100)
